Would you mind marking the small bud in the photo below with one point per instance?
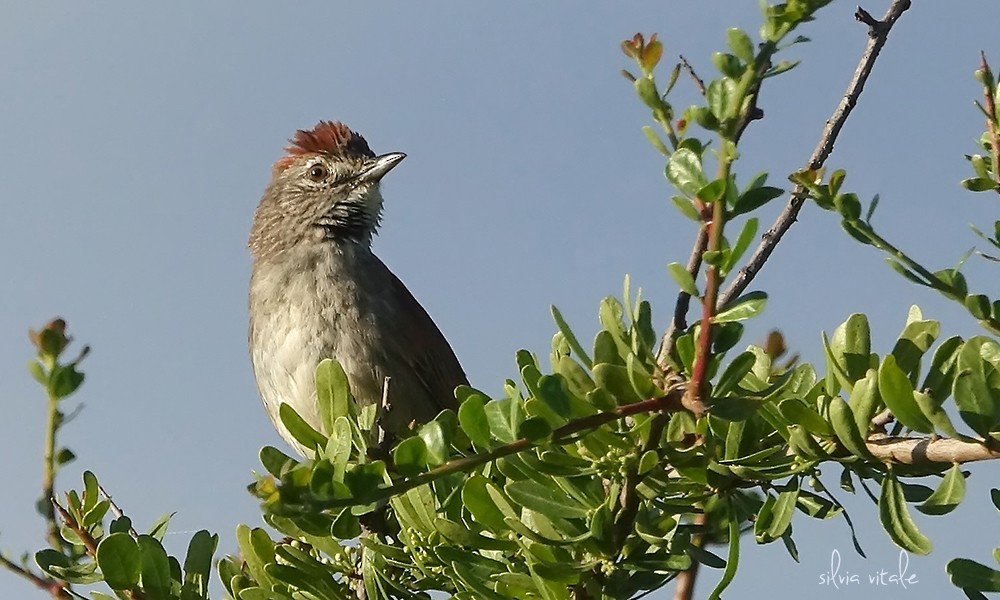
(775, 344)
(52, 339)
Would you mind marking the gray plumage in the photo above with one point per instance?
(317, 291)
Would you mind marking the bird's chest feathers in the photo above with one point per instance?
(308, 305)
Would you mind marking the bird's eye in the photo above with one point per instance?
(318, 172)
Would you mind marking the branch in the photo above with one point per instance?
(878, 32)
(919, 451)
(697, 80)
(669, 402)
(56, 589)
(88, 540)
(686, 579)
(679, 322)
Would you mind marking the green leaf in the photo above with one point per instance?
(500, 416)
(655, 140)
(65, 380)
(38, 371)
(735, 408)
(121, 524)
(842, 419)
(155, 570)
(472, 419)
(803, 444)
(742, 243)
(684, 205)
(713, 191)
(970, 575)
(755, 198)
(685, 172)
(436, 442)
(782, 513)
(332, 392)
(159, 527)
(198, 564)
(461, 535)
(346, 526)
(683, 278)
(722, 98)
(974, 397)
(727, 64)
(488, 505)
(781, 67)
(742, 308)
(726, 336)
(534, 429)
(119, 560)
(947, 496)
(302, 432)
(734, 374)
(896, 518)
(978, 184)
(338, 448)
(364, 479)
(549, 501)
(410, 456)
(851, 346)
(865, 401)
(915, 340)
(951, 281)
(58, 565)
(91, 491)
(705, 557)
(941, 373)
(553, 391)
(257, 550)
(908, 274)
(798, 412)
(570, 337)
(897, 393)
(615, 379)
(978, 305)
(739, 42)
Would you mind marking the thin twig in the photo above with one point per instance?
(686, 579)
(115, 509)
(81, 532)
(669, 402)
(697, 80)
(629, 499)
(877, 35)
(56, 589)
(49, 471)
(683, 303)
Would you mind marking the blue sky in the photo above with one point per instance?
(137, 139)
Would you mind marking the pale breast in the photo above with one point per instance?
(306, 305)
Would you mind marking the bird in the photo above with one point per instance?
(317, 291)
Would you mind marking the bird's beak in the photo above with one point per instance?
(377, 167)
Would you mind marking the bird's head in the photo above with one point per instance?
(325, 188)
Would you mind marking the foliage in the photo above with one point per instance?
(605, 471)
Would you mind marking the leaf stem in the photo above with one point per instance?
(53, 418)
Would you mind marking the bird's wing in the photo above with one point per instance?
(428, 353)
